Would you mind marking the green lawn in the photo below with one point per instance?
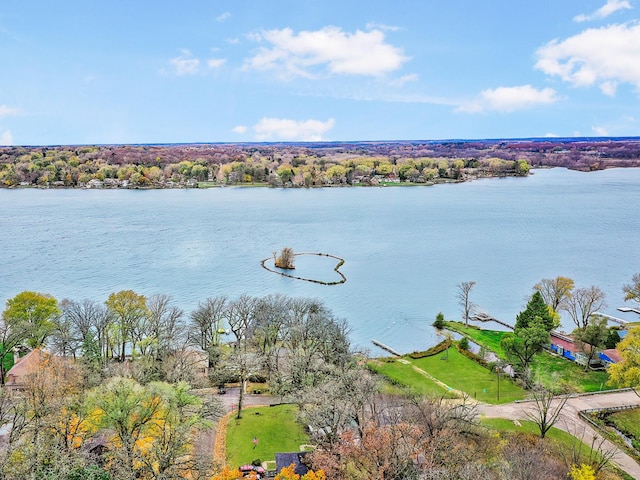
(553, 371)
(548, 369)
(628, 422)
(487, 338)
(404, 375)
(563, 438)
(275, 428)
(463, 374)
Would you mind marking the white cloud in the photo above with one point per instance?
(382, 26)
(399, 82)
(307, 53)
(232, 41)
(551, 135)
(6, 138)
(6, 111)
(216, 62)
(185, 64)
(223, 17)
(609, 88)
(239, 129)
(509, 99)
(291, 130)
(598, 55)
(610, 7)
(600, 131)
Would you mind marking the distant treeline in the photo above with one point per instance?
(303, 164)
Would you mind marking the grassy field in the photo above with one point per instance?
(628, 422)
(486, 338)
(275, 428)
(565, 440)
(551, 370)
(548, 369)
(405, 376)
(461, 373)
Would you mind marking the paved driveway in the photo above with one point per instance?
(571, 422)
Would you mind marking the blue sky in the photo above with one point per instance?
(116, 71)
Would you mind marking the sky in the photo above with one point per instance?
(123, 71)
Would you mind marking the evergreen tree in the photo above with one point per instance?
(537, 308)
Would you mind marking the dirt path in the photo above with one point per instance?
(571, 422)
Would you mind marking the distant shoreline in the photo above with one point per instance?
(298, 165)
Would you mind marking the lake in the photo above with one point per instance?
(405, 249)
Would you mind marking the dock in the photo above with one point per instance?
(629, 309)
(485, 317)
(385, 347)
(619, 321)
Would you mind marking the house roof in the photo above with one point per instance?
(563, 341)
(26, 365)
(613, 354)
(297, 458)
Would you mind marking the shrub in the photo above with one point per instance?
(441, 347)
(463, 343)
(439, 323)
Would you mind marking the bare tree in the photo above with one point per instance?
(165, 325)
(205, 324)
(546, 409)
(632, 290)
(286, 259)
(583, 303)
(555, 291)
(464, 289)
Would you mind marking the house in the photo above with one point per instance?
(610, 355)
(563, 345)
(296, 458)
(25, 366)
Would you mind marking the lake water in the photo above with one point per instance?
(405, 248)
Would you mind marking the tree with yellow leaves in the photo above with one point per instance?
(289, 473)
(627, 372)
(582, 472)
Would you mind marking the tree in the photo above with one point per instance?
(34, 313)
(128, 309)
(439, 322)
(591, 338)
(165, 326)
(583, 303)
(286, 259)
(521, 346)
(206, 323)
(627, 372)
(632, 290)
(90, 321)
(555, 291)
(537, 308)
(464, 289)
(546, 409)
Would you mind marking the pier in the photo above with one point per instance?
(485, 317)
(619, 321)
(385, 347)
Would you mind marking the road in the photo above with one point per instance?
(571, 422)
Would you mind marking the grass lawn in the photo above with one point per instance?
(628, 422)
(403, 375)
(551, 370)
(275, 428)
(464, 374)
(548, 369)
(565, 440)
(487, 338)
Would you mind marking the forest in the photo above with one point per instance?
(302, 164)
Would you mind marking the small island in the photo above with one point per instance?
(285, 259)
